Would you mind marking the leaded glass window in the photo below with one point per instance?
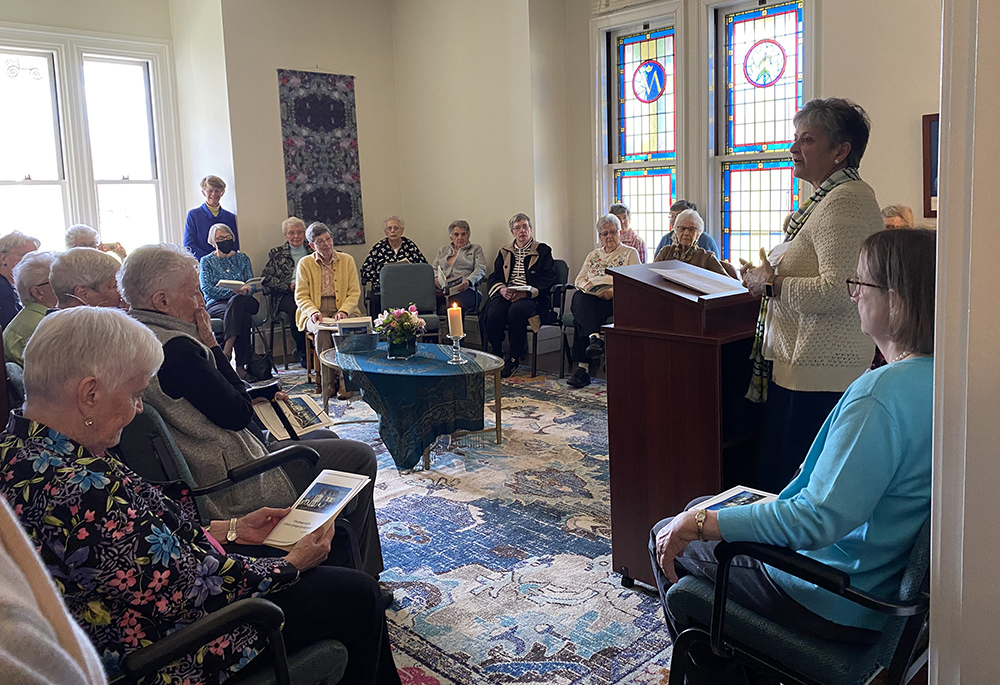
(647, 106)
(763, 77)
(761, 82)
(648, 192)
(757, 196)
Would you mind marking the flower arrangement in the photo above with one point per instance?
(400, 325)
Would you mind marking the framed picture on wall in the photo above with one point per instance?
(931, 138)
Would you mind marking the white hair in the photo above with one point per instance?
(216, 227)
(32, 271)
(16, 239)
(81, 266)
(81, 235)
(73, 344)
(152, 268)
(694, 216)
(393, 217)
(609, 219)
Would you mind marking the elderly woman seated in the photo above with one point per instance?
(13, 247)
(897, 216)
(326, 285)
(463, 264)
(31, 277)
(863, 491)
(593, 300)
(85, 277)
(207, 408)
(278, 277)
(235, 306)
(133, 560)
(82, 235)
(688, 226)
(391, 249)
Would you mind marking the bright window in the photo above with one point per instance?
(83, 132)
(762, 64)
(645, 124)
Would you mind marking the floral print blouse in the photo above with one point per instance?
(381, 254)
(133, 564)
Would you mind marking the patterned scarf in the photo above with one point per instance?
(757, 392)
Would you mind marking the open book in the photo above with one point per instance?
(318, 506)
(350, 326)
(736, 497)
(697, 279)
(448, 287)
(299, 415)
(236, 285)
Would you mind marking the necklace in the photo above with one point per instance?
(902, 355)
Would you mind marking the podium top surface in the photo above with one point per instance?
(646, 275)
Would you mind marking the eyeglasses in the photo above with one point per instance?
(853, 286)
(41, 284)
(604, 234)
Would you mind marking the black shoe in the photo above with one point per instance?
(509, 367)
(595, 349)
(579, 379)
(387, 597)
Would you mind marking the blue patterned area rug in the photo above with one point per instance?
(500, 555)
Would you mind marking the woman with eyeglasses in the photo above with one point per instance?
(809, 347)
(864, 490)
(685, 245)
(31, 278)
(593, 301)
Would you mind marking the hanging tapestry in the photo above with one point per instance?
(319, 129)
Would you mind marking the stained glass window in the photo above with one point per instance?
(647, 109)
(648, 192)
(756, 198)
(763, 77)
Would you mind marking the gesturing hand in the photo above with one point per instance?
(311, 550)
(254, 527)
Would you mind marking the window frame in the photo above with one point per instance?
(68, 50)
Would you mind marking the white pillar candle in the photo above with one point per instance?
(455, 320)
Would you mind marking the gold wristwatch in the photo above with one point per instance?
(769, 286)
(699, 518)
(231, 535)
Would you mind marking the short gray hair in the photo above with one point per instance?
(81, 266)
(216, 227)
(315, 230)
(694, 216)
(393, 217)
(292, 221)
(16, 239)
(459, 223)
(32, 271)
(841, 120)
(152, 268)
(106, 343)
(619, 208)
(81, 235)
(609, 218)
(520, 216)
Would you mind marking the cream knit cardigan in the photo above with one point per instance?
(816, 333)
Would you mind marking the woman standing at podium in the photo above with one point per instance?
(809, 345)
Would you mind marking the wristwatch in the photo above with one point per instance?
(699, 518)
(231, 535)
(769, 286)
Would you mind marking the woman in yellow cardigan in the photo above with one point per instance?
(326, 285)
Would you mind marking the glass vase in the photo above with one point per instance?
(402, 350)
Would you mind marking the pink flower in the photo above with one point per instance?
(123, 579)
(160, 580)
(73, 509)
(161, 606)
(218, 645)
(110, 524)
(81, 534)
(133, 635)
(88, 516)
(413, 308)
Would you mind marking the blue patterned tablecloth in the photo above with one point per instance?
(419, 398)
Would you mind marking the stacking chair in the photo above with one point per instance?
(321, 662)
(401, 284)
(733, 631)
(566, 323)
(552, 318)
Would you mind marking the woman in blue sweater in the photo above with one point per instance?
(234, 307)
(864, 490)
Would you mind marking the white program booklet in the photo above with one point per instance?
(736, 497)
(236, 285)
(303, 412)
(697, 279)
(318, 506)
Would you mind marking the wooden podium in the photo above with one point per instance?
(678, 369)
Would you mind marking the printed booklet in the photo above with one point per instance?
(735, 497)
(318, 506)
(300, 412)
(236, 285)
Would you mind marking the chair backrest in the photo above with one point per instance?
(917, 570)
(148, 448)
(401, 284)
(15, 384)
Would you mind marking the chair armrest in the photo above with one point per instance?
(263, 615)
(259, 466)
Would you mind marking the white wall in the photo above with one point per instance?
(336, 36)
(142, 18)
(889, 62)
(463, 88)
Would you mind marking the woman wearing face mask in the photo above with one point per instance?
(278, 277)
(85, 277)
(234, 307)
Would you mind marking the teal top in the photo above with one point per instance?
(20, 328)
(299, 252)
(862, 495)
